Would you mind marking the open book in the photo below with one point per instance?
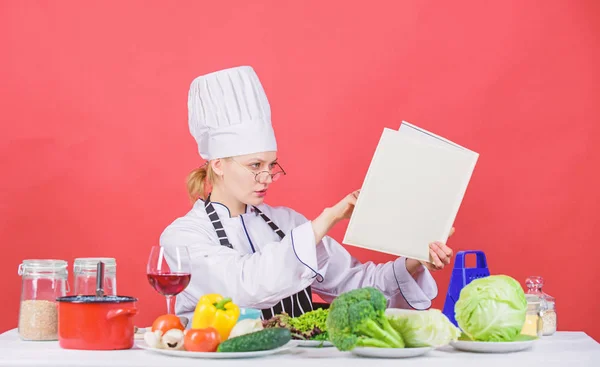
(411, 193)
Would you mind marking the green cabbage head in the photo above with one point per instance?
(429, 328)
(491, 309)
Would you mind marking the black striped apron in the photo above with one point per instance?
(295, 305)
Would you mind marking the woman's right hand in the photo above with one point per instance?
(344, 208)
(330, 216)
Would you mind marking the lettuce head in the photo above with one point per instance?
(429, 328)
(491, 309)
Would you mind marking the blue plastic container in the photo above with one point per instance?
(461, 276)
(249, 313)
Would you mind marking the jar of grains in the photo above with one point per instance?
(42, 282)
(549, 316)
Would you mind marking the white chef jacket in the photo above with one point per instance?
(261, 269)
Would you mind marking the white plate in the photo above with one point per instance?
(492, 347)
(213, 355)
(390, 352)
(312, 343)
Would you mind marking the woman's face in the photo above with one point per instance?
(240, 174)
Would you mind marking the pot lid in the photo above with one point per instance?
(96, 299)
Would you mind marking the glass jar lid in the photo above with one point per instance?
(534, 283)
(534, 287)
(42, 265)
(91, 263)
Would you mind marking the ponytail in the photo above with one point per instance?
(197, 181)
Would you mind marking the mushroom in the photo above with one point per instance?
(173, 339)
(153, 339)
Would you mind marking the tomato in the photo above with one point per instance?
(201, 340)
(165, 323)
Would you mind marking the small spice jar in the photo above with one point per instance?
(43, 281)
(84, 272)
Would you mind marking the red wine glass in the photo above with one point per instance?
(169, 271)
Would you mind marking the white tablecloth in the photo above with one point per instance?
(570, 349)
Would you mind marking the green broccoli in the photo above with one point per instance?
(357, 318)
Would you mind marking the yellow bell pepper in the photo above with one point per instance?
(213, 310)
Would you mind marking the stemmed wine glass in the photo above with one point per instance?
(169, 271)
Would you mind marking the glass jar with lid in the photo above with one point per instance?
(533, 318)
(43, 281)
(547, 304)
(84, 272)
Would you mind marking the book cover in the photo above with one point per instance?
(411, 193)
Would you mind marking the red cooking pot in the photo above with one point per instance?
(96, 323)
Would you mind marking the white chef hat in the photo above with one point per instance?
(229, 114)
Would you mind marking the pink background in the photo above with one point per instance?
(95, 146)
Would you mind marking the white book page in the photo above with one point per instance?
(410, 196)
(408, 129)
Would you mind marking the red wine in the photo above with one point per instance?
(169, 284)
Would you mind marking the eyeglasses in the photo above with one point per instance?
(263, 176)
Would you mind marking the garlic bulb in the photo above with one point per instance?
(246, 326)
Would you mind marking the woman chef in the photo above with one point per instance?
(269, 258)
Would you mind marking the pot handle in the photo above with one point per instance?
(130, 311)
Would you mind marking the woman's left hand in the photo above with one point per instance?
(440, 255)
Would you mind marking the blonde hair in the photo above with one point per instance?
(199, 180)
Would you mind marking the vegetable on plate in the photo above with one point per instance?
(357, 318)
(266, 339)
(246, 326)
(213, 310)
(430, 328)
(165, 323)
(201, 340)
(311, 325)
(492, 309)
(166, 333)
(172, 339)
